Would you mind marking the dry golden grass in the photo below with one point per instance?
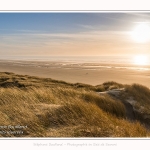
(51, 108)
(140, 93)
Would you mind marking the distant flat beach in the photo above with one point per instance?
(88, 73)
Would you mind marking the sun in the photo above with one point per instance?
(141, 33)
(141, 60)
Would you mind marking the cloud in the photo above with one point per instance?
(83, 43)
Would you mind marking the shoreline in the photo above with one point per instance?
(88, 73)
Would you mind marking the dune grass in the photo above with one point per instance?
(51, 108)
(140, 93)
(141, 96)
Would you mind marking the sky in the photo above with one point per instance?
(72, 34)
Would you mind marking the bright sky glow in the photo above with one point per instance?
(74, 34)
(141, 60)
(141, 33)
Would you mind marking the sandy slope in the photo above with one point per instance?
(78, 73)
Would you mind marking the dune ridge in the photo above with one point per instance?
(44, 107)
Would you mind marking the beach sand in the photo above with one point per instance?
(81, 73)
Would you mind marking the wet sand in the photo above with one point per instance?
(93, 74)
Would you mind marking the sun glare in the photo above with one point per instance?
(141, 60)
(141, 33)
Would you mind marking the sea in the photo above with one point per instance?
(120, 62)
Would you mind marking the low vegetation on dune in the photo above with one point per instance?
(43, 107)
